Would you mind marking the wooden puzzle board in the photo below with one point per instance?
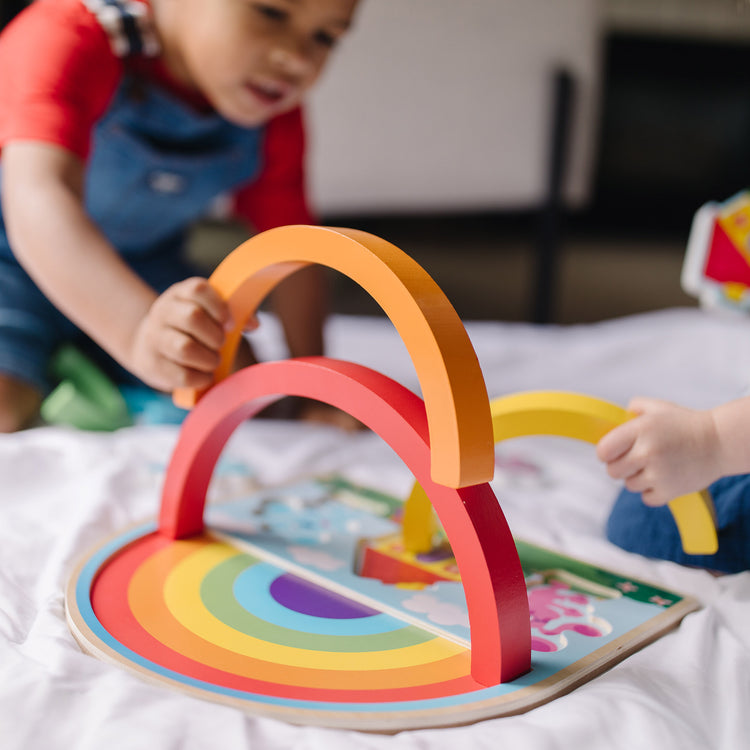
(266, 612)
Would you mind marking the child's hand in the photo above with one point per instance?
(664, 452)
(178, 341)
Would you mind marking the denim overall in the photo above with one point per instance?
(156, 166)
(652, 532)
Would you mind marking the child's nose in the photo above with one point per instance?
(291, 59)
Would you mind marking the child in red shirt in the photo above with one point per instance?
(120, 122)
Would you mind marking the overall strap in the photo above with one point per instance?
(129, 26)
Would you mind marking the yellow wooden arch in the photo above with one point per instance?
(576, 416)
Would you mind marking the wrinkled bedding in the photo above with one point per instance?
(63, 491)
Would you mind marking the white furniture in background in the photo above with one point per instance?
(441, 105)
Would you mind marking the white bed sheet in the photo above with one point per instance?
(63, 491)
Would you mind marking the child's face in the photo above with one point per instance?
(252, 59)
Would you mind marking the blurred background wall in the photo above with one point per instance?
(451, 151)
(542, 159)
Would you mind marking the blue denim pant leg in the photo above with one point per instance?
(652, 532)
(31, 328)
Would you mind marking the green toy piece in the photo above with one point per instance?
(85, 398)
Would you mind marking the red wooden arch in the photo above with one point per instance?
(471, 516)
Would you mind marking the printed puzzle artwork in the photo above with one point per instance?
(285, 607)
(321, 603)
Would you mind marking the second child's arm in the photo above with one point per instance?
(169, 340)
(668, 450)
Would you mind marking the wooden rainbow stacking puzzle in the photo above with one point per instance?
(324, 603)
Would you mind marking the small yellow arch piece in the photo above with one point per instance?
(450, 377)
(576, 416)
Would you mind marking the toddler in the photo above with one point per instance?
(121, 121)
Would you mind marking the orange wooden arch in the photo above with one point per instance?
(482, 543)
(449, 374)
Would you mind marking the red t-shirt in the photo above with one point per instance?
(58, 75)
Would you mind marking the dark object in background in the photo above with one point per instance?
(675, 124)
(9, 9)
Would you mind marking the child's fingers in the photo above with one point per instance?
(653, 498)
(616, 443)
(191, 319)
(625, 467)
(185, 351)
(179, 376)
(199, 292)
(195, 308)
(638, 482)
(166, 374)
(643, 484)
(646, 405)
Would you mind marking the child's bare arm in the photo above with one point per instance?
(301, 303)
(668, 450)
(167, 341)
